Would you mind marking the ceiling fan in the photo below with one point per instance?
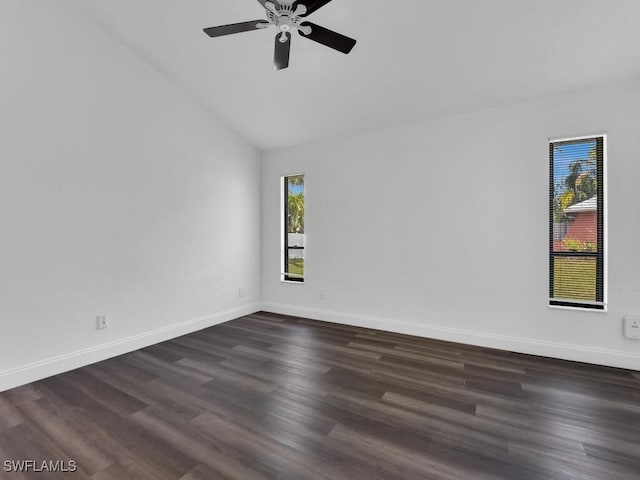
(287, 16)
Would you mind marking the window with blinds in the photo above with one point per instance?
(576, 223)
(293, 228)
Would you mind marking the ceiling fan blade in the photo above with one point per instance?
(328, 37)
(283, 49)
(235, 28)
(312, 5)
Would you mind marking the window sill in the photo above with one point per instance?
(291, 282)
(578, 309)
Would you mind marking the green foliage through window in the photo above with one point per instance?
(580, 183)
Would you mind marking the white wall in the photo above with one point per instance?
(471, 193)
(118, 195)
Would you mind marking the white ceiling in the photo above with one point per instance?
(415, 59)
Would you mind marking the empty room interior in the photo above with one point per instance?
(315, 239)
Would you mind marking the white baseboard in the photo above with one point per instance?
(576, 353)
(63, 363)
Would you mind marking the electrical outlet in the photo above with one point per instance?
(322, 295)
(632, 327)
(240, 292)
(101, 322)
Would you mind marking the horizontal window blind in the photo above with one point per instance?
(576, 223)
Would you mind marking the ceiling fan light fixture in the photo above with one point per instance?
(288, 17)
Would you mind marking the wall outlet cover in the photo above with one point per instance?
(632, 327)
(101, 322)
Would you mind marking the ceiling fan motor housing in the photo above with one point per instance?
(285, 18)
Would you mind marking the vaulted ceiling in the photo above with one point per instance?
(415, 59)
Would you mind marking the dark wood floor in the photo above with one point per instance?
(274, 397)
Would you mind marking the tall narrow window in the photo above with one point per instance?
(576, 224)
(293, 228)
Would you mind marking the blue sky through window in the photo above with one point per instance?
(564, 155)
(295, 189)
